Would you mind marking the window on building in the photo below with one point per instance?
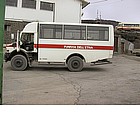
(11, 3)
(29, 4)
(50, 31)
(74, 32)
(47, 6)
(98, 33)
(7, 28)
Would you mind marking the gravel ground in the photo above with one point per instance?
(116, 83)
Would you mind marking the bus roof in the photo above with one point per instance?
(82, 24)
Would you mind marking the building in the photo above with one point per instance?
(101, 21)
(20, 12)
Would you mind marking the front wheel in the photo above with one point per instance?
(19, 63)
(75, 64)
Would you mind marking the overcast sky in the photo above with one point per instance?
(119, 10)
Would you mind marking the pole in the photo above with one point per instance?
(2, 15)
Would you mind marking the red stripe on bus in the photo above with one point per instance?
(80, 47)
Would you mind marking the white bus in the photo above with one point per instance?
(70, 44)
(128, 26)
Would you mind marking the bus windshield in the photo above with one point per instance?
(27, 37)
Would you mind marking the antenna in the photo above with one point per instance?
(100, 15)
(97, 14)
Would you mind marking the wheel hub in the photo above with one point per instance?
(75, 64)
(18, 63)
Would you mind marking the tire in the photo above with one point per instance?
(19, 63)
(75, 64)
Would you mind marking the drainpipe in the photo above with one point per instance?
(2, 15)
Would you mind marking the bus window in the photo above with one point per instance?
(27, 37)
(27, 41)
(48, 31)
(98, 33)
(74, 32)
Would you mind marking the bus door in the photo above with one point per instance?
(27, 40)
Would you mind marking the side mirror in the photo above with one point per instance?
(12, 36)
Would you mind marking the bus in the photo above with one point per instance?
(67, 43)
(128, 26)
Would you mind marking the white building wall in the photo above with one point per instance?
(65, 11)
(27, 14)
(68, 11)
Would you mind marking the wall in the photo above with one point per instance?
(65, 11)
(124, 46)
(68, 11)
(18, 17)
(14, 26)
(26, 14)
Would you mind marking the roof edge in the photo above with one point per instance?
(85, 3)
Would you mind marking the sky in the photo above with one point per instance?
(119, 10)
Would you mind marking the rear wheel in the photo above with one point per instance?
(19, 63)
(75, 64)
